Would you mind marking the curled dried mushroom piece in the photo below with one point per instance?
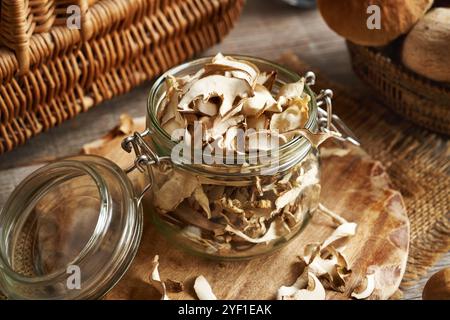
(365, 288)
(203, 289)
(155, 279)
(306, 287)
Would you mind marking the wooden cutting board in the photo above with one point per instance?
(353, 185)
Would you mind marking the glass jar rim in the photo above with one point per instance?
(72, 166)
(297, 142)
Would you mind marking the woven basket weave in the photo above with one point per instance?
(422, 101)
(50, 72)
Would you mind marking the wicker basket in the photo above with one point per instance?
(422, 101)
(50, 72)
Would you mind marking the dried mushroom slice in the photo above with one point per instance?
(307, 287)
(228, 89)
(344, 230)
(221, 126)
(192, 217)
(178, 187)
(287, 198)
(316, 139)
(267, 79)
(292, 90)
(258, 123)
(335, 217)
(335, 278)
(206, 108)
(270, 235)
(310, 252)
(261, 101)
(155, 279)
(203, 289)
(365, 288)
(202, 200)
(303, 181)
(292, 118)
(170, 118)
(331, 268)
(242, 69)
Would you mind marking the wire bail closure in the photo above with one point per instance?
(145, 157)
(329, 122)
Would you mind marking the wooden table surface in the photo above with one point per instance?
(266, 29)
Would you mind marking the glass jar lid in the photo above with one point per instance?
(69, 231)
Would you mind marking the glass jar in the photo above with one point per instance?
(69, 230)
(72, 228)
(235, 229)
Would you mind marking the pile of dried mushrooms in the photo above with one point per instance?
(325, 269)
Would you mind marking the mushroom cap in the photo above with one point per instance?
(348, 18)
(438, 286)
(426, 48)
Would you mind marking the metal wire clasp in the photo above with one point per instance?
(328, 121)
(145, 156)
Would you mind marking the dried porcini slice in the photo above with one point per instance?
(206, 108)
(155, 279)
(228, 89)
(203, 289)
(177, 188)
(202, 200)
(325, 261)
(306, 287)
(261, 101)
(270, 235)
(365, 288)
(239, 68)
(267, 79)
(290, 119)
(342, 231)
(292, 90)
